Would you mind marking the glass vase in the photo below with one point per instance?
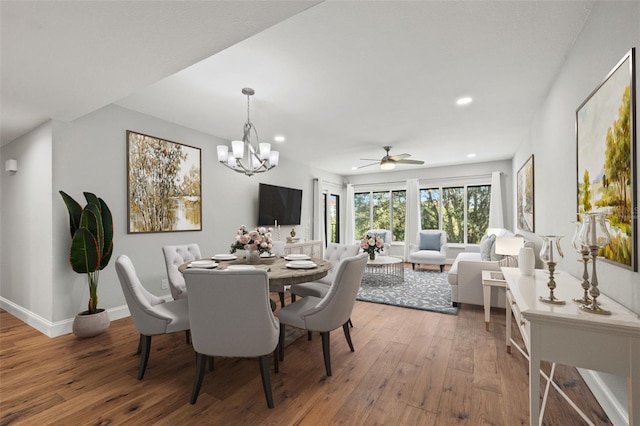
(372, 255)
(252, 257)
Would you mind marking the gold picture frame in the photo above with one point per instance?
(163, 185)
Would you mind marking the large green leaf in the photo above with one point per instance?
(107, 226)
(75, 211)
(83, 255)
(92, 220)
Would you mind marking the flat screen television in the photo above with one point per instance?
(279, 203)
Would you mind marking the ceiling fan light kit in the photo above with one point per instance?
(388, 162)
(245, 157)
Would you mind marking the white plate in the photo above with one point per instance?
(203, 264)
(301, 264)
(239, 267)
(297, 257)
(225, 257)
(263, 255)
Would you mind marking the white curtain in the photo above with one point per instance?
(496, 209)
(318, 212)
(349, 222)
(412, 218)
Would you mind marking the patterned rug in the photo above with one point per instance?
(422, 289)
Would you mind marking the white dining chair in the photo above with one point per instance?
(330, 312)
(230, 315)
(151, 315)
(174, 256)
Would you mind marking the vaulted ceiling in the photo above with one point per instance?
(338, 79)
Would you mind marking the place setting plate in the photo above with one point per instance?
(207, 264)
(296, 257)
(301, 264)
(224, 256)
(267, 255)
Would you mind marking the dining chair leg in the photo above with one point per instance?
(281, 294)
(293, 297)
(309, 335)
(326, 349)
(210, 363)
(139, 345)
(350, 323)
(281, 344)
(188, 333)
(145, 342)
(201, 361)
(266, 379)
(276, 364)
(347, 334)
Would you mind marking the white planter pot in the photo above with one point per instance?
(85, 325)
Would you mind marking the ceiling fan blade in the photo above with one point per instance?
(399, 156)
(368, 165)
(369, 159)
(410, 161)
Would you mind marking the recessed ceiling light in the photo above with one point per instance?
(464, 101)
(471, 155)
(279, 138)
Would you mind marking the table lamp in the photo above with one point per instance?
(509, 247)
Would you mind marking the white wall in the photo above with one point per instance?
(89, 154)
(26, 243)
(609, 33)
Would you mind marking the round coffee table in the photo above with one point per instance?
(392, 267)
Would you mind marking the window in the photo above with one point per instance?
(380, 210)
(332, 212)
(462, 211)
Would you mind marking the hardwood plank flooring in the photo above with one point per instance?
(410, 367)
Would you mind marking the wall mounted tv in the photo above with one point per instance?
(279, 203)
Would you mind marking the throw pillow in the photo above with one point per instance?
(486, 245)
(430, 241)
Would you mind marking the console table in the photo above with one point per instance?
(312, 248)
(566, 335)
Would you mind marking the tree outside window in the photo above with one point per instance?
(478, 203)
(453, 214)
(398, 214)
(380, 210)
(362, 213)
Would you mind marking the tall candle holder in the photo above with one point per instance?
(583, 250)
(551, 254)
(595, 235)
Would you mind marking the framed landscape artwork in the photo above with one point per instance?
(606, 169)
(526, 196)
(163, 185)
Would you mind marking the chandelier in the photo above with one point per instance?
(245, 157)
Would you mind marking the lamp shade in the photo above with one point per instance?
(274, 157)
(509, 246)
(265, 150)
(223, 153)
(238, 148)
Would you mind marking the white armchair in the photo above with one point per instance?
(430, 248)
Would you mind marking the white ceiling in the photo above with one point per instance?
(339, 80)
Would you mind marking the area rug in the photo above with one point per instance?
(421, 289)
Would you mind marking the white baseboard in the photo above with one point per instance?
(53, 329)
(611, 393)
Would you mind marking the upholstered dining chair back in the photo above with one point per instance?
(151, 315)
(230, 315)
(230, 312)
(334, 253)
(174, 256)
(335, 308)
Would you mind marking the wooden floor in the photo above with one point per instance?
(410, 367)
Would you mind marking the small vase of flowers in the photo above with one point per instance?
(255, 242)
(372, 244)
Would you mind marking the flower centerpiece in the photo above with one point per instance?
(255, 242)
(372, 244)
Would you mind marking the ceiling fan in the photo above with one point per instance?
(389, 162)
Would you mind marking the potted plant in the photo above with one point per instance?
(91, 248)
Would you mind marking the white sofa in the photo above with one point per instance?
(465, 277)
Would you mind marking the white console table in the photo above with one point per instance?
(312, 248)
(566, 335)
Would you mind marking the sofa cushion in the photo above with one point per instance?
(452, 276)
(430, 241)
(486, 246)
